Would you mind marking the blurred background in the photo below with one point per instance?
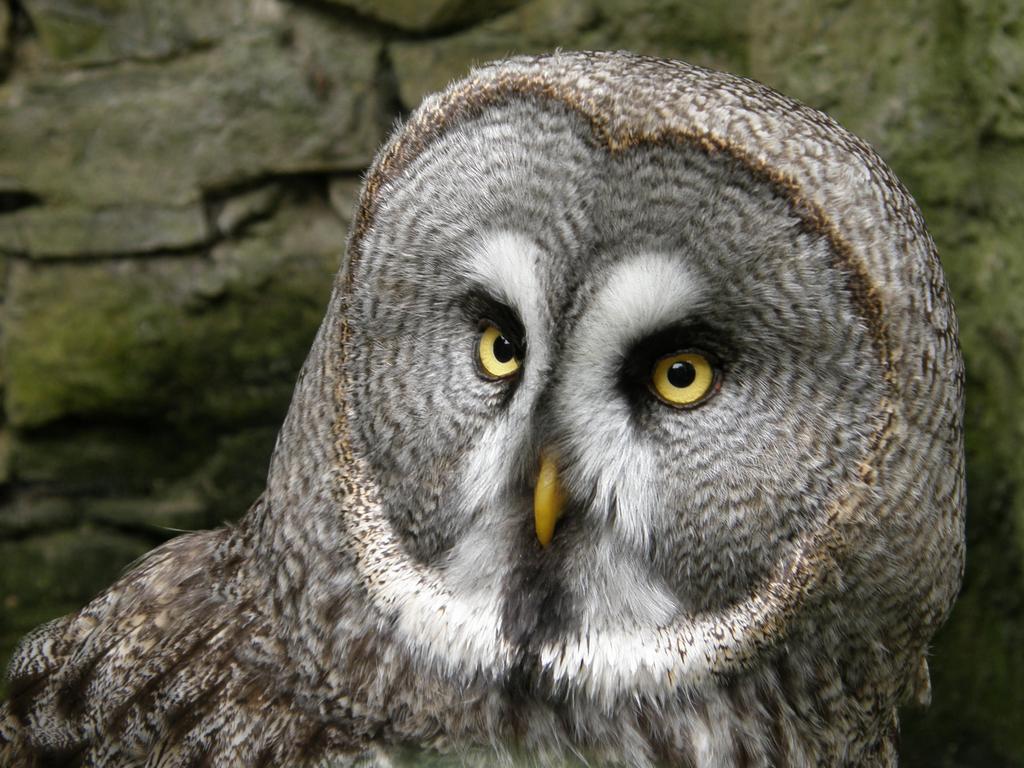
(177, 177)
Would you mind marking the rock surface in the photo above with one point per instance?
(89, 32)
(287, 96)
(5, 37)
(427, 15)
(176, 179)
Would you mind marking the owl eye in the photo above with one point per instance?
(683, 379)
(498, 355)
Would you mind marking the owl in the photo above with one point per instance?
(631, 437)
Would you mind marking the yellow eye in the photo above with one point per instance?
(498, 356)
(682, 379)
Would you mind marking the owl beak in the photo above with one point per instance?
(548, 500)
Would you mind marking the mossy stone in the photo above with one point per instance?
(240, 209)
(993, 60)
(33, 512)
(889, 72)
(652, 27)
(155, 515)
(197, 124)
(39, 568)
(234, 474)
(5, 37)
(5, 456)
(76, 232)
(103, 31)
(709, 34)
(214, 340)
(120, 459)
(422, 67)
(428, 15)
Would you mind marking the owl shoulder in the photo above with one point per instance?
(177, 660)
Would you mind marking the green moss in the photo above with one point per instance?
(710, 34)
(106, 458)
(66, 38)
(993, 35)
(235, 474)
(702, 34)
(425, 15)
(213, 340)
(890, 72)
(157, 515)
(103, 31)
(5, 456)
(82, 231)
(422, 67)
(5, 31)
(206, 121)
(66, 567)
(28, 513)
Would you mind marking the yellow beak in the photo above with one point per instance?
(547, 500)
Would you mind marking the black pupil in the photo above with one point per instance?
(681, 374)
(503, 349)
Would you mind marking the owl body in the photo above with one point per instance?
(716, 323)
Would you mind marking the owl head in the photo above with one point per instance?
(637, 376)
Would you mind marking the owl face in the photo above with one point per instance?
(656, 326)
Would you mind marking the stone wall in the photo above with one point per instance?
(176, 178)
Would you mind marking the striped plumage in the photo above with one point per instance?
(750, 581)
